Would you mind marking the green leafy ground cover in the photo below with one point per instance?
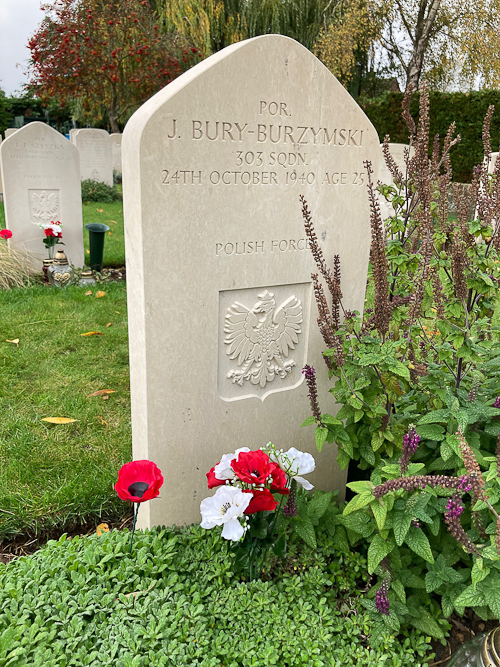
(110, 214)
(175, 602)
(60, 475)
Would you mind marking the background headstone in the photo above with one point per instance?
(72, 133)
(116, 146)
(1, 186)
(94, 147)
(213, 166)
(9, 131)
(41, 182)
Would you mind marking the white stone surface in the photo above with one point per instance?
(94, 147)
(384, 175)
(491, 164)
(213, 166)
(1, 185)
(41, 182)
(9, 131)
(116, 149)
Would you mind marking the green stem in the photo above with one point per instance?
(133, 527)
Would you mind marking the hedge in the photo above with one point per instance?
(466, 109)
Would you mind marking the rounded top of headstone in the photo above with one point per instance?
(35, 130)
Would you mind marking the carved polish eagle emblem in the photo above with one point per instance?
(261, 338)
(44, 205)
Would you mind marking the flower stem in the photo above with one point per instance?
(133, 527)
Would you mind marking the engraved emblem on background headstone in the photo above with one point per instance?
(95, 175)
(44, 205)
(259, 338)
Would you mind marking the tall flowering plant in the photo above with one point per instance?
(250, 499)
(52, 235)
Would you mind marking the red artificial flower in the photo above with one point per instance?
(278, 484)
(262, 501)
(49, 232)
(253, 467)
(139, 481)
(5, 233)
(212, 479)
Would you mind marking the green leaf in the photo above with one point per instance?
(358, 502)
(470, 597)
(478, 572)
(328, 419)
(318, 506)
(310, 420)
(360, 487)
(431, 431)
(305, 530)
(320, 436)
(432, 582)
(279, 547)
(378, 549)
(399, 589)
(417, 540)
(398, 368)
(401, 525)
(490, 591)
(435, 417)
(379, 510)
(340, 538)
(425, 623)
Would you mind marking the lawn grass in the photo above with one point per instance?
(109, 214)
(62, 474)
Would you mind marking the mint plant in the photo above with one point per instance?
(417, 380)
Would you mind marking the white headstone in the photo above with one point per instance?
(213, 166)
(96, 161)
(72, 133)
(9, 131)
(116, 144)
(1, 186)
(41, 179)
(491, 164)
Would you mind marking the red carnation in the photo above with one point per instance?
(212, 480)
(5, 234)
(262, 501)
(139, 481)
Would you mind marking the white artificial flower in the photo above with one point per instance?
(57, 229)
(225, 509)
(223, 469)
(295, 463)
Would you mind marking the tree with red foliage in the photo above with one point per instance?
(107, 56)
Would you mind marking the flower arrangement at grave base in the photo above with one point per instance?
(52, 235)
(138, 481)
(418, 384)
(5, 234)
(256, 497)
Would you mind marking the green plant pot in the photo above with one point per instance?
(97, 234)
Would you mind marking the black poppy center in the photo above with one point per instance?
(138, 489)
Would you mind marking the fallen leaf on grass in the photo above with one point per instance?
(100, 210)
(102, 528)
(59, 420)
(103, 421)
(110, 233)
(100, 294)
(105, 398)
(88, 252)
(102, 392)
(109, 324)
(92, 333)
(89, 293)
(117, 312)
(113, 222)
(14, 340)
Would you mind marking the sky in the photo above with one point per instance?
(18, 21)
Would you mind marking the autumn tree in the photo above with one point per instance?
(105, 57)
(479, 44)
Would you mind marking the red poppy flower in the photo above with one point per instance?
(212, 480)
(139, 481)
(253, 467)
(262, 501)
(279, 481)
(5, 233)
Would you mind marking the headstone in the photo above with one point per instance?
(41, 179)
(1, 186)
(116, 145)
(96, 161)
(218, 261)
(9, 131)
(384, 175)
(72, 133)
(491, 164)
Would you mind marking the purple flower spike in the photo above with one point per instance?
(496, 404)
(381, 599)
(410, 445)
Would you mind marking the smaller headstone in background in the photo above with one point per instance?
(491, 165)
(10, 130)
(96, 161)
(72, 133)
(384, 175)
(116, 150)
(41, 179)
